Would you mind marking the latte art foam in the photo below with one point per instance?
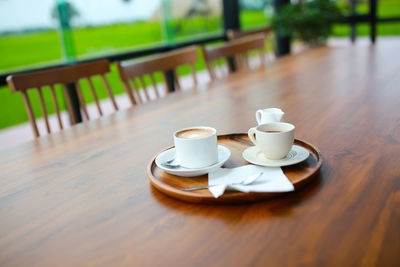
(195, 133)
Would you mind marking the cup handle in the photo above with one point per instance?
(258, 115)
(252, 135)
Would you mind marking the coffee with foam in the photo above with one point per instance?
(196, 147)
(195, 133)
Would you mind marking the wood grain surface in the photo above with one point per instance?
(82, 196)
(298, 174)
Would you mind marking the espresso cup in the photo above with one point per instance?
(274, 139)
(196, 147)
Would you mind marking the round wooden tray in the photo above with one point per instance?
(299, 174)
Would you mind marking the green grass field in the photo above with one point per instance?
(44, 48)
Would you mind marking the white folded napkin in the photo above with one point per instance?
(272, 180)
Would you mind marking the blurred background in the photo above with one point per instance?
(37, 34)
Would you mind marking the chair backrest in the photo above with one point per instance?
(236, 49)
(132, 72)
(235, 34)
(63, 75)
(269, 39)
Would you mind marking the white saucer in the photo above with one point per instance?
(223, 155)
(297, 154)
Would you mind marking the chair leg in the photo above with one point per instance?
(31, 116)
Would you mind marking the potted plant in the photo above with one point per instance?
(310, 21)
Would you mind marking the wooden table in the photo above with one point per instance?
(82, 197)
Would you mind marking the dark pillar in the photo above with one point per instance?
(231, 15)
(282, 42)
(231, 22)
(169, 74)
(373, 19)
(76, 110)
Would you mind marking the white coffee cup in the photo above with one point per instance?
(274, 139)
(196, 147)
(269, 115)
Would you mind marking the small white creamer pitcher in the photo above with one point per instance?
(269, 115)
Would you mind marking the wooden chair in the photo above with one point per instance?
(132, 72)
(269, 39)
(236, 49)
(235, 34)
(63, 75)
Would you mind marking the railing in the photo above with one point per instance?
(126, 55)
(371, 18)
(231, 21)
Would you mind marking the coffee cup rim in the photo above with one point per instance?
(278, 110)
(195, 127)
(276, 123)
